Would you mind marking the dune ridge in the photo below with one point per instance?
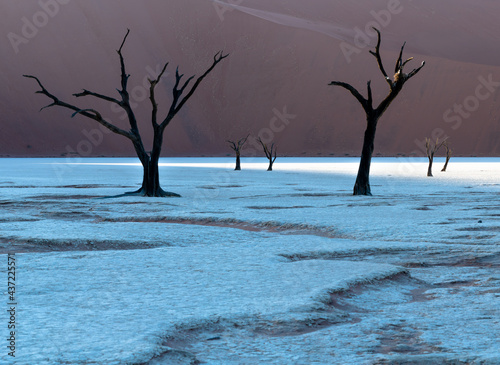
(274, 84)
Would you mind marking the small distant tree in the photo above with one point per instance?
(237, 146)
(448, 155)
(431, 149)
(149, 159)
(373, 114)
(270, 153)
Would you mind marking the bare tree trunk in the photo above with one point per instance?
(448, 156)
(151, 177)
(445, 164)
(430, 150)
(429, 168)
(362, 185)
(238, 162)
(153, 181)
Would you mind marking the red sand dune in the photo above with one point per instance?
(283, 55)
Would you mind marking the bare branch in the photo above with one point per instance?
(242, 141)
(124, 77)
(443, 142)
(268, 151)
(99, 96)
(263, 146)
(89, 113)
(176, 105)
(38, 81)
(125, 103)
(47, 106)
(405, 62)
(186, 84)
(175, 90)
(399, 62)
(237, 146)
(415, 71)
(366, 103)
(433, 147)
(124, 40)
(161, 73)
(379, 58)
(96, 113)
(153, 83)
(232, 145)
(370, 97)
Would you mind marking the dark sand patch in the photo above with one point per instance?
(481, 261)
(61, 197)
(480, 229)
(77, 186)
(420, 294)
(423, 208)
(353, 255)
(296, 328)
(274, 227)
(401, 339)
(15, 245)
(256, 207)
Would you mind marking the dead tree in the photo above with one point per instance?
(270, 153)
(448, 155)
(373, 114)
(431, 149)
(237, 146)
(149, 160)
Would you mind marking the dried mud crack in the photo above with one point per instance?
(190, 344)
(270, 226)
(16, 245)
(399, 340)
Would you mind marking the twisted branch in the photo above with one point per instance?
(177, 93)
(152, 87)
(237, 146)
(376, 54)
(89, 113)
(269, 151)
